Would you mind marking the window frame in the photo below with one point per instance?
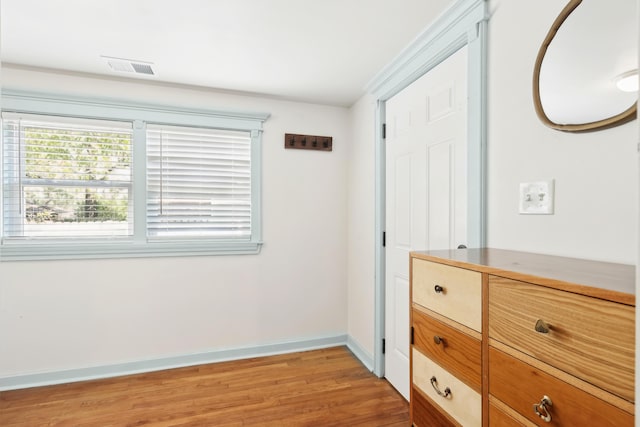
(139, 115)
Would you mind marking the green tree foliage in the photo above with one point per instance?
(75, 162)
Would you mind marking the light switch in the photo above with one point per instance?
(537, 197)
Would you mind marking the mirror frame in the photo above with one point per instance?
(621, 118)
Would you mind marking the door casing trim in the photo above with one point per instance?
(464, 23)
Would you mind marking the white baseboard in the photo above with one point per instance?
(108, 371)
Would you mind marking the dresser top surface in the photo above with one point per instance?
(599, 279)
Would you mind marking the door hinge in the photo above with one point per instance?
(384, 239)
(384, 346)
(412, 335)
(384, 131)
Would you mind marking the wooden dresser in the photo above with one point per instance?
(505, 338)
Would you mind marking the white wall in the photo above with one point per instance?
(61, 315)
(596, 174)
(637, 389)
(361, 228)
(600, 166)
(315, 275)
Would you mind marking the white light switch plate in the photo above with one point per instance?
(536, 197)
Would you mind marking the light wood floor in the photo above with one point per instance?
(327, 387)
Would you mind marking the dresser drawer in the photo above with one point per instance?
(520, 386)
(455, 351)
(589, 338)
(451, 291)
(498, 418)
(424, 414)
(463, 403)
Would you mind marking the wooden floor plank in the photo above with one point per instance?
(328, 387)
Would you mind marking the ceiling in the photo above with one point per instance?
(321, 51)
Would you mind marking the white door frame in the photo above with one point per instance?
(464, 23)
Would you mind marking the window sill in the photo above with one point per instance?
(30, 251)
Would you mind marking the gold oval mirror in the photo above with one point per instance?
(590, 46)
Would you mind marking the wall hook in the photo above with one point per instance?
(315, 142)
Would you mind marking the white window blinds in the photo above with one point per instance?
(85, 178)
(198, 183)
(66, 177)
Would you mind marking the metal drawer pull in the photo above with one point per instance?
(438, 340)
(434, 384)
(439, 289)
(541, 409)
(542, 326)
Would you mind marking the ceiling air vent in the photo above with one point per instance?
(142, 68)
(129, 66)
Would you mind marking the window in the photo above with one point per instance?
(100, 179)
(199, 183)
(66, 178)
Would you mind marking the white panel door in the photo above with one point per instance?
(426, 190)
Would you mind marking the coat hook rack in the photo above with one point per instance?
(308, 142)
